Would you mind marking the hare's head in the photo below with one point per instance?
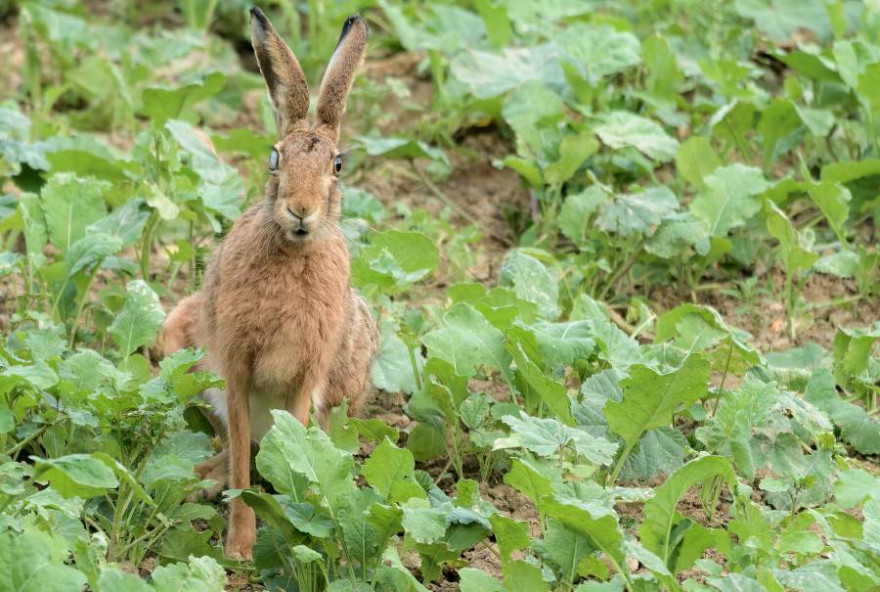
(303, 196)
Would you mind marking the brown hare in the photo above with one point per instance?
(276, 313)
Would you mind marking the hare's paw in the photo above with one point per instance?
(214, 469)
(242, 532)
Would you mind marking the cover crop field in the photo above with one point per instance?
(622, 256)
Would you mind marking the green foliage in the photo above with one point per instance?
(556, 373)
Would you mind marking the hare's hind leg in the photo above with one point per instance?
(354, 359)
(179, 329)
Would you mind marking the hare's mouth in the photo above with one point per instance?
(298, 235)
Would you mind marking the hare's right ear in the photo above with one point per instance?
(288, 89)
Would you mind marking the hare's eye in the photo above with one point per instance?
(337, 165)
(273, 160)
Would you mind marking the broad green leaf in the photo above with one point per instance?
(855, 425)
(795, 253)
(547, 437)
(80, 475)
(678, 234)
(488, 75)
(531, 281)
(549, 391)
(140, 318)
(476, 580)
(620, 129)
(574, 149)
(70, 204)
(399, 147)
(600, 51)
(578, 209)
(781, 128)
(650, 399)
(843, 264)
(833, 199)
(467, 341)
(27, 565)
(637, 213)
(562, 344)
(200, 574)
(656, 531)
(729, 198)
(90, 251)
(289, 448)
(781, 18)
(113, 579)
(161, 104)
(395, 259)
(392, 370)
(696, 159)
(660, 451)
(390, 470)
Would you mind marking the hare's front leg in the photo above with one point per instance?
(242, 522)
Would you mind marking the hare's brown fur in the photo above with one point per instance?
(276, 312)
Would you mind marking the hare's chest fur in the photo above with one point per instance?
(283, 312)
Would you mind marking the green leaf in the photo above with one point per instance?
(574, 149)
(656, 531)
(391, 470)
(70, 204)
(467, 341)
(546, 437)
(113, 579)
(729, 198)
(562, 344)
(781, 18)
(27, 565)
(395, 259)
(650, 399)
(833, 199)
(531, 281)
(637, 213)
(140, 318)
(660, 451)
(550, 391)
(855, 425)
(162, 104)
(791, 243)
(620, 129)
(398, 147)
(488, 75)
(392, 370)
(291, 449)
(843, 264)
(90, 251)
(577, 210)
(781, 128)
(476, 580)
(598, 51)
(80, 475)
(678, 234)
(696, 159)
(200, 574)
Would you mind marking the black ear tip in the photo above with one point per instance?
(257, 14)
(350, 22)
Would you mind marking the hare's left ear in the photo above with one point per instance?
(340, 73)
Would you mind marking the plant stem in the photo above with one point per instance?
(79, 308)
(147, 245)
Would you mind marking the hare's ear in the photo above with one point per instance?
(340, 73)
(288, 89)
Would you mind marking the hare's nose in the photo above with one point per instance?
(294, 215)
